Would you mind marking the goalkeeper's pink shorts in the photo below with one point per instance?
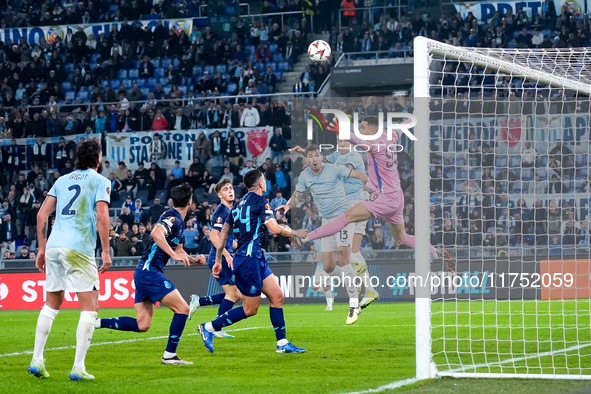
(388, 206)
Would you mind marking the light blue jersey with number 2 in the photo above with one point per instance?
(76, 196)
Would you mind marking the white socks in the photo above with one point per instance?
(83, 337)
(168, 354)
(282, 342)
(348, 274)
(44, 322)
(209, 327)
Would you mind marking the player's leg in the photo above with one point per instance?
(144, 311)
(357, 213)
(55, 285)
(232, 296)
(45, 320)
(273, 292)
(321, 284)
(348, 275)
(176, 303)
(89, 305)
(360, 266)
(197, 302)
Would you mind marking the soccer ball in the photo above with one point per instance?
(319, 51)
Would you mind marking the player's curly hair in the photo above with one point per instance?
(87, 155)
(220, 185)
(181, 195)
(251, 178)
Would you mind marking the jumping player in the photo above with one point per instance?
(152, 286)
(251, 217)
(387, 198)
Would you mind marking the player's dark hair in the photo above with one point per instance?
(251, 178)
(181, 195)
(87, 155)
(371, 120)
(312, 148)
(220, 185)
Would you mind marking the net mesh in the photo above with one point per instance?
(509, 181)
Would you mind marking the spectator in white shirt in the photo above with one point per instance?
(528, 155)
(250, 117)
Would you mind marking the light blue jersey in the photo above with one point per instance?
(327, 189)
(353, 186)
(77, 194)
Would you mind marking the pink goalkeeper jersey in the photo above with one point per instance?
(382, 164)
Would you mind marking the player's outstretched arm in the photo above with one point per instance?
(222, 238)
(284, 231)
(47, 209)
(102, 226)
(159, 236)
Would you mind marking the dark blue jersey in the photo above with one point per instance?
(154, 257)
(248, 219)
(220, 216)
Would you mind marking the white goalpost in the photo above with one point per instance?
(501, 182)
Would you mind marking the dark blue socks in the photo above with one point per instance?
(123, 323)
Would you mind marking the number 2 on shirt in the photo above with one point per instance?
(237, 214)
(67, 211)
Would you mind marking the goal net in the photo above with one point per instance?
(502, 162)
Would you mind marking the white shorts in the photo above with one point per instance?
(359, 226)
(69, 270)
(342, 238)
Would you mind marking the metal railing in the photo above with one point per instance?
(399, 7)
(346, 58)
(461, 252)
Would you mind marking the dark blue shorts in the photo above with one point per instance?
(226, 276)
(151, 285)
(249, 273)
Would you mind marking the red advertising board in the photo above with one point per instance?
(565, 278)
(27, 291)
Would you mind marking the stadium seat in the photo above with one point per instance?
(152, 82)
(145, 92)
(501, 161)
(283, 66)
(69, 68)
(166, 89)
(66, 86)
(277, 57)
(143, 195)
(140, 82)
(104, 83)
(122, 197)
(82, 95)
(272, 65)
(163, 82)
(162, 194)
(197, 70)
(273, 48)
(230, 10)
(134, 73)
(95, 57)
(165, 63)
(515, 161)
(93, 66)
(278, 75)
(115, 84)
(183, 89)
(222, 68)
(249, 49)
(159, 73)
(209, 69)
(122, 74)
(260, 67)
(128, 83)
(155, 63)
(216, 172)
(176, 63)
(213, 198)
(71, 95)
(231, 88)
(199, 195)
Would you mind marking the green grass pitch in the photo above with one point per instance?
(376, 351)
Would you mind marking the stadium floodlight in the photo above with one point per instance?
(519, 308)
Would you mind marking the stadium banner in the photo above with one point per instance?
(133, 148)
(32, 35)
(485, 279)
(572, 129)
(25, 145)
(484, 10)
(27, 291)
(503, 134)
